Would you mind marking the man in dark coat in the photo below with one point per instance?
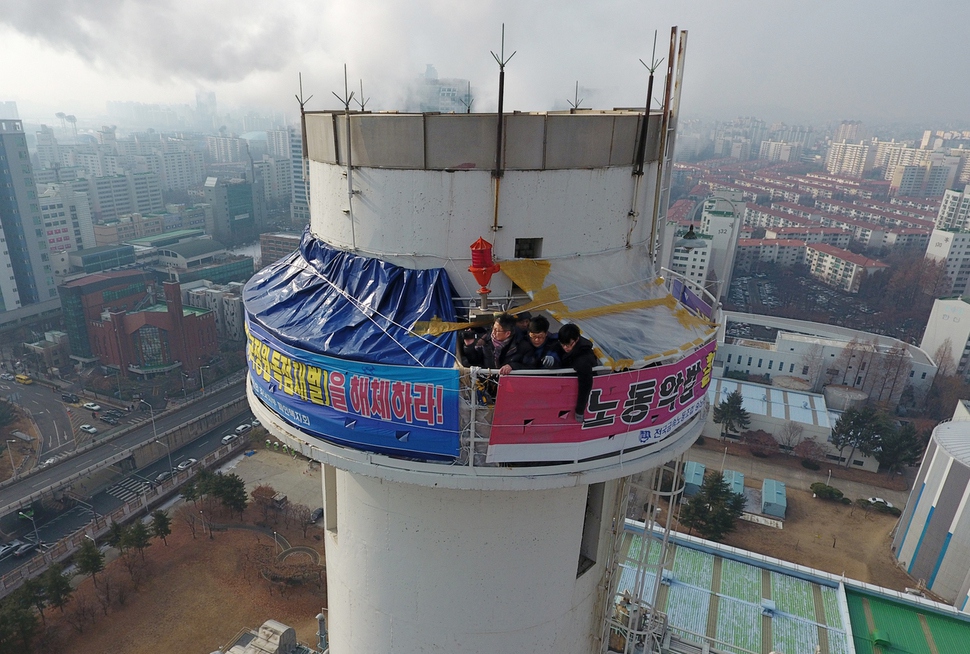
(503, 348)
(578, 354)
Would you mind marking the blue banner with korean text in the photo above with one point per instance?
(401, 410)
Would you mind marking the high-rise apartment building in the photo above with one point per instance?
(849, 130)
(849, 159)
(67, 219)
(300, 198)
(118, 195)
(26, 274)
(929, 179)
(954, 210)
(780, 151)
(236, 209)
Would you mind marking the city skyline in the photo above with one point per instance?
(801, 63)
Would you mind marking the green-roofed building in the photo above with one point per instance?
(168, 238)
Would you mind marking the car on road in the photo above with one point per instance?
(228, 438)
(7, 549)
(879, 500)
(114, 413)
(188, 463)
(89, 429)
(7, 376)
(91, 406)
(29, 546)
(70, 397)
(47, 462)
(257, 423)
(316, 515)
(162, 476)
(243, 428)
(108, 419)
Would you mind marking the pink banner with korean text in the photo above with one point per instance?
(533, 418)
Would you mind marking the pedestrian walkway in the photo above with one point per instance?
(797, 478)
(128, 489)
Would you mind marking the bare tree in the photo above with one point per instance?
(810, 449)
(187, 514)
(813, 361)
(103, 592)
(790, 436)
(301, 513)
(845, 360)
(263, 498)
(943, 357)
(81, 613)
(897, 363)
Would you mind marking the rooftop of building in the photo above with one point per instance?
(773, 401)
(845, 255)
(158, 240)
(186, 310)
(715, 594)
(196, 247)
(767, 328)
(114, 276)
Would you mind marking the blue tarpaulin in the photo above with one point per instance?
(344, 305)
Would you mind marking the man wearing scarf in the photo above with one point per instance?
(503, 349)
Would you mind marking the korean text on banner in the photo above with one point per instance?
(391, 409)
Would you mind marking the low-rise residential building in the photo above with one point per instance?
(783, 252)
(811, 356)
(840, 268)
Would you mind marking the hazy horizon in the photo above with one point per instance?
(879, 62)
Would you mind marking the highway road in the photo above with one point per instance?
(65, 467)
(49, 413)
(52, 526)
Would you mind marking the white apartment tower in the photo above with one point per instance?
(458, 520)
(849, 159)
(721, 219)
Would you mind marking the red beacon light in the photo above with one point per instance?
(483, 267)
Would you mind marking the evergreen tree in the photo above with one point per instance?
(899, 447)
(89, 560)
(57, 586)
(861, 430)
(161, 525)
(232, 493)
(731, 414)
(714, 509)
(137, 537)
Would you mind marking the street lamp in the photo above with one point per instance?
(202, 377)
(13, 469)
(151, 410)
(34, 522)
(170, 468)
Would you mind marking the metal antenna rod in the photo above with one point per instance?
(502, 61)
(467, 100)
(642, 144)
(576, 101)
(346, 100)
(362, 101)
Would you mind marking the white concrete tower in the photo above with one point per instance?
(456, 522)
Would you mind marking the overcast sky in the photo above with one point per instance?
(812, 61)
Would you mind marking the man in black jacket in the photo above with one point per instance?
(578, 354)
(503, 348)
